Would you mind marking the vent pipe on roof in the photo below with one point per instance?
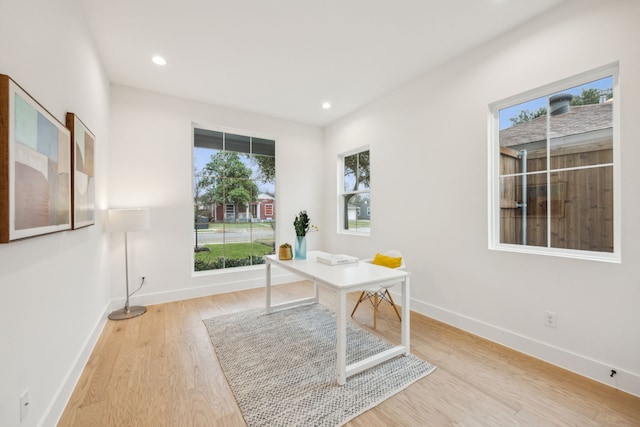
(559, 104)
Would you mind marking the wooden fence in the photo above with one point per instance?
(581, 201)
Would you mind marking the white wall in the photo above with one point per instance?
(429, 194)
(54, 288)
(151, 165)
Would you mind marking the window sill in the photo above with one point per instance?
(562, 253)
(354, 233)
(229, 270)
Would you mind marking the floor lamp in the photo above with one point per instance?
(126, 220)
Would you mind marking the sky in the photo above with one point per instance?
(201, 157)
(535, 104)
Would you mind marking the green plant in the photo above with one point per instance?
(223, 262)
(237, 250)
(302, 224)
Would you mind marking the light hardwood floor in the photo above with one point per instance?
(160, 369)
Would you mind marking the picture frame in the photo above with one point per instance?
(35, 167)
(83, 194)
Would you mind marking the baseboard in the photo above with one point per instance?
(278, 276)
(53, 413)
(596, 370)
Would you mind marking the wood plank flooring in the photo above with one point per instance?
(160, 369)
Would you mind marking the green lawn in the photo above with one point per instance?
(234, 250)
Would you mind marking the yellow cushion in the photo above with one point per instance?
(387, 261)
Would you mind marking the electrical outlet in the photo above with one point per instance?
(550, 319)
(24, 404)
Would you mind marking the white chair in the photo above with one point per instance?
(380, 293)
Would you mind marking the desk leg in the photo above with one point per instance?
(406, 315)
(268, 284)
(341, 335)
(316, 291)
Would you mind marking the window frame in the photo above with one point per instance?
(494, 167)
(341, 192)
(254, 137)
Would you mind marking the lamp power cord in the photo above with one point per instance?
(139, 287)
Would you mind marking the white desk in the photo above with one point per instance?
(343, 279)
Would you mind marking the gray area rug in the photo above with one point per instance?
(282, 367)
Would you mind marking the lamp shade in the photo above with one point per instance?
(131, 219)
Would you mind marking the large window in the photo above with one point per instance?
(234, 195)
(355, 194)
(554, 169)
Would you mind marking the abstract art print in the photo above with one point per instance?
(35, 167)
(83, 172)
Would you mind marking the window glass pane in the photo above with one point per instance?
(582, 215)
(357, 214)
(201, 157)
(207, 139)
(263, 227)
(363, 170)
(263, 170)
(581, 125)
(536, 209)
(231, 165)
(363, 220)
(523, 135)
(350, 210)
(350, 168)
(265, 147)
(239, 193)
(520, 223)
(203, 183)
(203, 214)
(510, 225)
(265, 211)
(238, 143)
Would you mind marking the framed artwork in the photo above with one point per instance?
(83, 195)
(35, 167)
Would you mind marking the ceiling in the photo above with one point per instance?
(284, 58)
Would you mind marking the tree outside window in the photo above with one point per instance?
(234, 183)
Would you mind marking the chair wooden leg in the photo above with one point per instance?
(357, 304)
(393, 304)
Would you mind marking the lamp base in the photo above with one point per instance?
(128, 313)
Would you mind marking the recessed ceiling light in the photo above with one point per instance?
(326, 105)
(159, 60)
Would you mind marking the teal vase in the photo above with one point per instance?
(300, 247)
